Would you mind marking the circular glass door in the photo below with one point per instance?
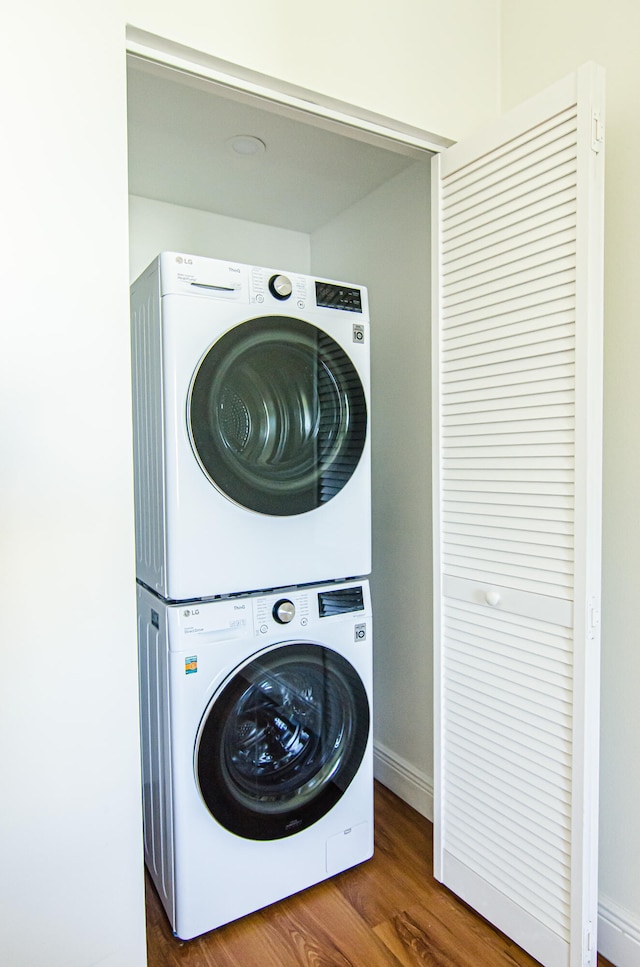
(282, 740)
(277, 416)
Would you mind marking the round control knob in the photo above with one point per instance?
(284, 611)
(280, 286)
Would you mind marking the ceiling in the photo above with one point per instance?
(179, 152)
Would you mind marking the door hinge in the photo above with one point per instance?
(597, 131)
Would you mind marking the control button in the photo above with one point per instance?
(264, 629)
(301, 303)
(304, 622)
(284, 611)
(260, 297)
(280, 286)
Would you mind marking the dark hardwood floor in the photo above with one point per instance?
(388, 912)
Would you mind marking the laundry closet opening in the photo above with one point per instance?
(219, 173)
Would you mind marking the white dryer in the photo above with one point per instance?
(251, 428)
(256, 747)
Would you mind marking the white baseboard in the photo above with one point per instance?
(618, 934)
(401, 777)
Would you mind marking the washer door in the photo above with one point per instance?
(277, 416)
(282, 740)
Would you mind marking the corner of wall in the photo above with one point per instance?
(401, 777)
(618, 934)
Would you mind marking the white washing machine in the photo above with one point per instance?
(251, 428)
(256, 746)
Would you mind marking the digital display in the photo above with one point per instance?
(342, 601)
(332, 296)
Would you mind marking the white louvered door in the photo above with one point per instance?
(517, 435)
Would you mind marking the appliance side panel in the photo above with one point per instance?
(146, 344)
(155, 742)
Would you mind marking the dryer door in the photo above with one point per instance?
(277, 416)
(282, 740)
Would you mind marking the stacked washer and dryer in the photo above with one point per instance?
(253, 537)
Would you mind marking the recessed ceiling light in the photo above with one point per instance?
(246, 145)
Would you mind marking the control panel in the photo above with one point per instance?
(291, 610)
(253, 284)
(287, 612)
(272, 288)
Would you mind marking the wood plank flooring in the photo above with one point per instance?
(388, 912)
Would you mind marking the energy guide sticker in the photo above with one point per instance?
(191, 665)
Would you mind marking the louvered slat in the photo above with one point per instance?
(550, 427)
(481, 660)
(510, 525)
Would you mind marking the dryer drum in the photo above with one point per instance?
(282, 741)
(277, 416)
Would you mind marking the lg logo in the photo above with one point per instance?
(188, 612)
(181, 260)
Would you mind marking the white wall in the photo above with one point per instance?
(427, 63)
(71, 887)
(71, 881)
(156, 226)
(383, 242)
(542, 42)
